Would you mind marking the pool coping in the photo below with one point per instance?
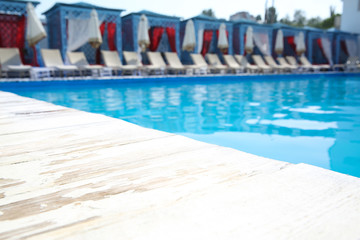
(68, 174)
(159, 78)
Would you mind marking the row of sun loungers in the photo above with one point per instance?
(79, 66)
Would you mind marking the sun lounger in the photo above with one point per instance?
(132, 58)
(261, 64)
(244, 62)
(175, 63)
(215, 62)
(305, 62)
(78, 59)
(271, 62)
(292, 61)
(112, 60)
(200, 63)
(233, 65)
(157, 61)
(351, 64)
(284, 63)
(10, 62)
(52, 60)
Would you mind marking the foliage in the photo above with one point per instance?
(271, 15)
(299, 20)
(208, 12)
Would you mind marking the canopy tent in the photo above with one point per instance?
(320, 46)
(63, 19)
(14, 29)
(345, 44)
(163, 32)
(262, 35)
(290, 35)
(207, 36)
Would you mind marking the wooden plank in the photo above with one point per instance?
(67, 174)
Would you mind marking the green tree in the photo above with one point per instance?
(314, 22)
(271, 15)
(258, 17)
(299, 18)
(286, 20)
(208, 12)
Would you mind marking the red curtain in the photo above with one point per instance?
(171, 36)
(321, 47)
(111, 27)
(155, 37)
(291, 42)
(98, 51)
(206, 41)
(343, 47)
(12, 32)
(34, 61)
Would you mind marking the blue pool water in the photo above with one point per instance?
(310, 119)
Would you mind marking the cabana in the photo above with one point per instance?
(346, 45)
(320, 46)
(262, 34)
(13, 17)
(289, 33)
(59, 16)
(164, 32)
(206, 34)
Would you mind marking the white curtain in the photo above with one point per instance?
(78, 33)
(200, 40)
(262, 42)
(326, 44)
(351, 47)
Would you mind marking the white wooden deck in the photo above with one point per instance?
(67, 174)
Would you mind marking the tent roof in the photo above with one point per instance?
(82, 5)
(152, 14)
(35, 3)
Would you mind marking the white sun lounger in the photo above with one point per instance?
(292, 61)
(215, 62)
(112, 60)
(284, 63)
(78, 59)
(175, 63)
(261, 64)
(244, 62)
(10, 62)
(200, 63)
(305, 62)
(271, 62)
(233, 65)
(52, 60)
(132, 58)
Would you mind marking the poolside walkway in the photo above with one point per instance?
(67, 174)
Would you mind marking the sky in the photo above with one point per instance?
(222, 8)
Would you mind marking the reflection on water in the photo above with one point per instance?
(315, 121)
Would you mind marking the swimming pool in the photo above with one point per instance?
(313, 119)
